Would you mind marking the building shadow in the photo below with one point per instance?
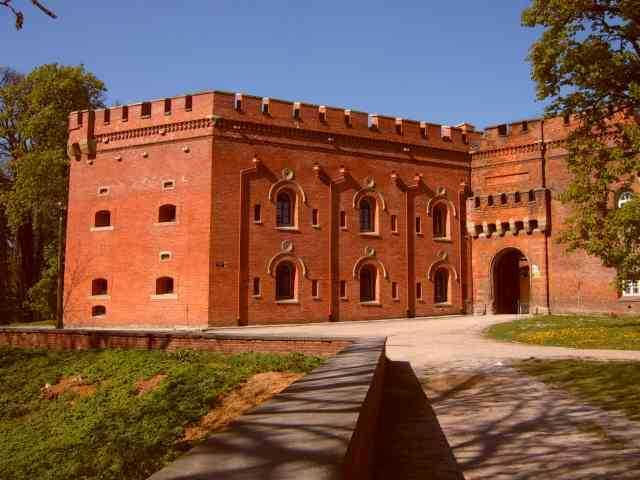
(411, 444)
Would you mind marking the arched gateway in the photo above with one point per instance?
(510, 282)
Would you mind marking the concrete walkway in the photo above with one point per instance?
(499, 423)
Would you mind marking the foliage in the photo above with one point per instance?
(609, 385)
(572, 331)
(587, 64)
(114, 433)
(19, 16)
(34, 111)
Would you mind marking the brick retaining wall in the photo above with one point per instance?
(87, 339)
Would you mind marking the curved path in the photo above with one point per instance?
(499, 423)
(426, 342)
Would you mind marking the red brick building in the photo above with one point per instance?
(227, 209)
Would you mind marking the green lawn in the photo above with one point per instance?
(609, 385)
(113, 432)
(622, 333)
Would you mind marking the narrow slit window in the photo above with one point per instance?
(322, 113)
(394, 223)
(296, 111)
(418, 225)
(476, 202)
(532, 196)
(419, 291)
(188, 103)
(256, 286)
(145, 109)
(343, 289)
(257, 214)
(525, 126)
(237, 104)
(107, 116)
(167, 106)
(265, 106)
(315, 289)
(343, 219)
(315, 217)
(394, 291)
(125, 113)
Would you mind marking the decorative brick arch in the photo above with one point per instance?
(282, 256)
(369, 191)
(433, 201)
(282, 184)
(442, 264)
(362, 261)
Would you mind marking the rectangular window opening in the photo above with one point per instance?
(168, 185)
(125, 113)
(419, 291)
(257, 214)
(167, 106)
(394, 291)
(394, 223)
(315, 291)
(503, 130)
(418, 225)
(188, 103)
(107, 116)
(315, 217)
(343, 219)
(145, 109)
(256, 286)
(343, 289)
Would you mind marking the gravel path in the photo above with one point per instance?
(499, 423)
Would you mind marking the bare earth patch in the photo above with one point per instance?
(144, 386)
(256, 390)
(68, 384)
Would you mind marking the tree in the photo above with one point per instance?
(19, 16)
(587, 65)
(34, 112)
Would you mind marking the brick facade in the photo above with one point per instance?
(223, 161)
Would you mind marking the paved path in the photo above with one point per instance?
(499, 423)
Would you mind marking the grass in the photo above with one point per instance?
(609, 385)
(621, 333)
(113, 433)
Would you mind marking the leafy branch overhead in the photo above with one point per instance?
(19, 16)
(586, 65)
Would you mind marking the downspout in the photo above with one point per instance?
(546, 233)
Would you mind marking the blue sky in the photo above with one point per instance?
(445, 62)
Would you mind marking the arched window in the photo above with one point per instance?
(285, 204)
(99, 286)
(624, 197)
(164, 285)
(98, 311)
(440, 221)
(367, 215)
(285, 281)
(167, 213)
(103, 219)
(368, 275)
(441, 290)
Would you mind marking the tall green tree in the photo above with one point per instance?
(587, 64)
(34, 111)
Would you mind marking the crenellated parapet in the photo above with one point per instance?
(188, 116)
(508, 213)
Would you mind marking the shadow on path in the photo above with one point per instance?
(411, 444)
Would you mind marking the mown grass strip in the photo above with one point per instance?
(622, 333)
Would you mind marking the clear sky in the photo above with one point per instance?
(441, 61)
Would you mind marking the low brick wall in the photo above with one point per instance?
(217, 342)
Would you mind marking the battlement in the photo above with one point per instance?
(152, 116)
(508, 212)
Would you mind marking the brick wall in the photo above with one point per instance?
(77, 339)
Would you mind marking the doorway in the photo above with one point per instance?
(511, 282)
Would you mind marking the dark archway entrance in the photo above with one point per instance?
(511, 282)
